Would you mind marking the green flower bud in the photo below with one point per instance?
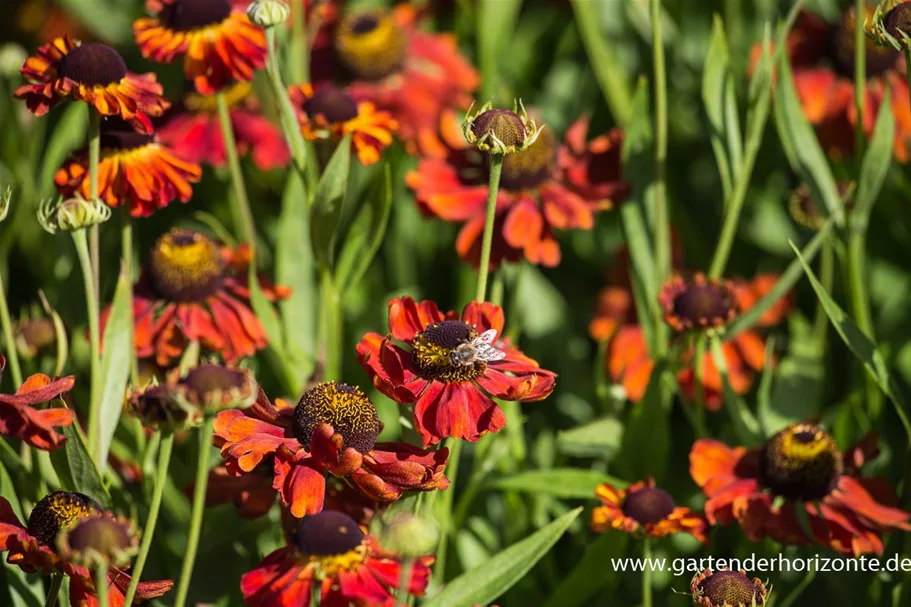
(409, 535)
(71, 214)
(500, 131)
(268, 13)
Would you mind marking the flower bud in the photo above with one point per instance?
(157, 409)
(500, 131)
(211, 388)
(891, 24)
(409, 535)
(71, 214)
(99, 539)
(268, 13)
(12, 56)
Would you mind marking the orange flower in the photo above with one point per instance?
(218, 41)
(697, 303)
(193, 289)
(413, 75)
(542, 189)
(822, 55)
(644, 508)
(330, 113)
(20, 419)
(134, 169)
(94, 73)
(798, 468)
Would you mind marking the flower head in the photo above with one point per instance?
(798, 468)
(71, 214)
(725, 588)
(890, 24)
(99, 539)
(20, 419)
(646, 509)
(330, 553)
(806, 210)
(158, 409)
(698, 303)
(214, 388)
(346, 408)
(329, 112)
(134, 169)
(451, 367)
(268, 13)
(218, 41)
(500, 131)
(192, 288)
(57, 511)
(94, 73)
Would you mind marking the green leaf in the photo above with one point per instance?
(861, 345)
(363, 240)
(802, 146)
(540, 306)
(271, 323)
(785, 283)
(876, 164)
(115, 366)
(568, 483)
(745, 423)
(69, 134)
(591, 574)
(483, 584)
(108, 19)
(75, 468)
(760, 94)
(647, 437)
(720, 101)
(327, 203)
(600, 438)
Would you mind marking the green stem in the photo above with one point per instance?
(647, 573)
(199, 505)
(94, 157)
(126, 254)
(662, 232)
(101, 585)
(401, 596)
(446, 526)
(12, 354)
(496, 166)
(332, 328)
(286, 113)
(316, 593)
(241, 204)
(699, 388)
(54, 590)
(860, 77)
(299, 61)
(91, 304)
(821, 319)
(161, 476)
(860, 309)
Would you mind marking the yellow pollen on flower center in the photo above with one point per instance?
(346, 408)
(801, 462)
(370, 44)
(56, 511)
(186, 266)
(329, 566)
(433, 348)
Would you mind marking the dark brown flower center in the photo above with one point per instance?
(879, 59)
(370, 44)
(186, 15)
(104, 535)
(186, 266)
(346, 408)
(800, 463)
(333, 103)
(697, 303)
(501, 125)
(328, 533)
(648, 505)
(530, 167)
(57, 511)
(433, 352)
(117, 134)
(93, 64)
(898, 21)
(731, 588)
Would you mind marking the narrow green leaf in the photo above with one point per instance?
(265, 312)
(483, 584)
(115, 367)
(721, 107)
(69, 134)
(568, 483)
(785, 283)
(862, 346)
(592, 573)
(745, 423)
(807, 157)
(600, 438)
(327, 204)
(364, 238)
(648, 424)
(876, 164)
(760, 94)
(75, 468)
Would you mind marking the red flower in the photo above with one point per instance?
(302, 450)
(544, 188)
(194, 132)
(451, 368)
(330, 549)
(800, 467)
(20, 419)
(331, 113)
(134, 169)
(94, 73)
(822, 55)
(192, 289)
(411, 74)
(218, 41)
(30, 549)
(644, 508)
